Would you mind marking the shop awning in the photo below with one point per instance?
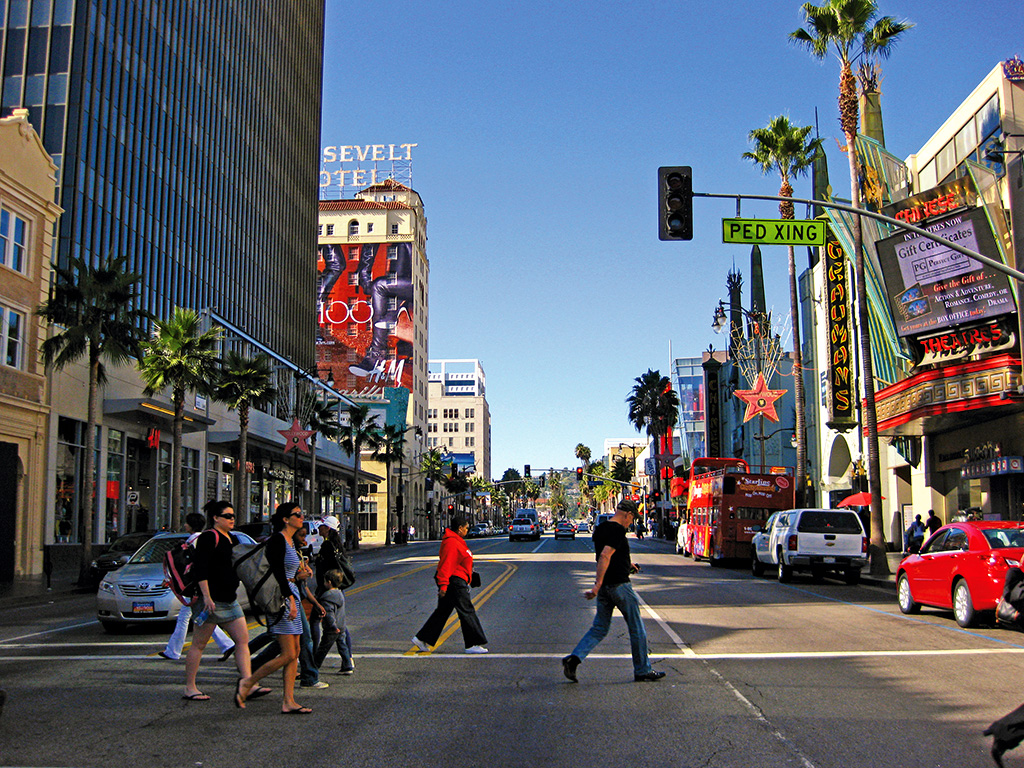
(148, 411)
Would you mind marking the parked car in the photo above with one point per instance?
(583, 527)
(479, 531)
(120, 550)
(137, 594)
(819, 541)
(961, 567)
(565, 530)
(525, 528)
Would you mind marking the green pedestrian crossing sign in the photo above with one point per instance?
(773, 231)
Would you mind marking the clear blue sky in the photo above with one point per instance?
(541, 126)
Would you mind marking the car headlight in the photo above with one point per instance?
(106, 586)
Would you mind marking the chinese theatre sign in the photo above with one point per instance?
(839, 382)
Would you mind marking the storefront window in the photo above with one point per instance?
(189, 481)
(115, 482)
(227, 475)
(70, 442)
(367, 516)
(162, 518)
(212, 475)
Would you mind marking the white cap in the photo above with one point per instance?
(331, 522)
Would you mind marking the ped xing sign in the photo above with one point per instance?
(773, 232)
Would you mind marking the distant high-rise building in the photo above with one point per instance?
(459, 419)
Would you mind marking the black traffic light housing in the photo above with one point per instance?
(526, 470)
(675, 203)
(579, 474)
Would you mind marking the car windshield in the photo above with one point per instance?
(828, 521)
(153, 551)
(999, 538)
(127, 543)
(522, 521)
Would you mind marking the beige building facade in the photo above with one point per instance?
(28, 214)
(459, 418)
(372, 340)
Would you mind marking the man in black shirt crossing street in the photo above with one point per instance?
(613, 590)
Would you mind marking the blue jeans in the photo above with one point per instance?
(623, 597)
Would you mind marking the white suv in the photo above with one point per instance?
(815, 540)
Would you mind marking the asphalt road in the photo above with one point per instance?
(815, 675)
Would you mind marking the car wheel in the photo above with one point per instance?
(906, 600)
(963, 606)
(756, 566)
(785, 572)
(852, 576)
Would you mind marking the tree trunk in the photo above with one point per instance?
(89, 495)
(242, 476)
(387, 503)
(848, 116)
(354, 511)
(312, 477)
(176, 459)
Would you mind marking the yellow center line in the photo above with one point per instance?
(483, 597)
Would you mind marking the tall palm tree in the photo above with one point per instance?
(851, 30)
(432, 467)
(321, 416)
(361, 432)
(94, 312)
(182, 356)
(244, 383)
(784, 148)
(654, 408)
(390, 450)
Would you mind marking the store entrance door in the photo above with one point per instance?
(139, 472)
(8, 508)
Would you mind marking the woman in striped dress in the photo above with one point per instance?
(284, 562)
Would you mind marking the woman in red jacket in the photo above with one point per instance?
(453, 577)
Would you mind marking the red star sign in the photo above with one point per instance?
(296, 437)
(760, 399)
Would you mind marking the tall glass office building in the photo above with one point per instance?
(187, 137)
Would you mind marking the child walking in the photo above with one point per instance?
(333, 623)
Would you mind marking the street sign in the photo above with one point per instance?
(132, 498)
(773, 232)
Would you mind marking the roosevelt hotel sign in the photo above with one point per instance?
(347, 168)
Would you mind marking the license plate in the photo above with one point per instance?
(142, 607)
(828, 559)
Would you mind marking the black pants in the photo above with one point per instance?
(457, 599)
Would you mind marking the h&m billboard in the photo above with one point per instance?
(365, 316)
(931, 286)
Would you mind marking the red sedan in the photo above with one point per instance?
(961, 567)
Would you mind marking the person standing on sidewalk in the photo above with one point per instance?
(194, 524)
(453, 577)
(613, 590)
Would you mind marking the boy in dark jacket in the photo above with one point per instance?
(333, 623)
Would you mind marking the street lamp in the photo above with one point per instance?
(400, 498)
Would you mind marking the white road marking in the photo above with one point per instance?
(49, 631)
(687, 651)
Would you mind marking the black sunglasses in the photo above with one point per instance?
(295, 514)
(228, 516)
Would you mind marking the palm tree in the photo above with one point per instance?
(654, 408)
(850, 30)
(432, 467)
(321, 416)
(244, 383)
(361, 432)
(182, 356)
(390, 450)
(784, 148)
(95, 309)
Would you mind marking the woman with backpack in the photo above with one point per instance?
(284, 562)
(218, 583)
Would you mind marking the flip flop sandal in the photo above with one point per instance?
(255, 693)
(196, 697)
(298, 711)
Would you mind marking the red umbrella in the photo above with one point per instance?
(862, 499)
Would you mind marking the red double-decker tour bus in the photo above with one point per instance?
(724, 502)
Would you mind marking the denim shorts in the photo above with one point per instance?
(225, 613)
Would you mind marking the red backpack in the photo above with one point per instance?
(179, 563)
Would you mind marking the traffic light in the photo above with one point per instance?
(453, 471)
(542, 479)
(579, 474)
(675, 201)
(451, 508)
(526, 471)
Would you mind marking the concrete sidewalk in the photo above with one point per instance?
(888, 581)
(63, 584)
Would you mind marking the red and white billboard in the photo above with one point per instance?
(365, 316)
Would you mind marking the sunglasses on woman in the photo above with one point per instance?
(228, 516)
